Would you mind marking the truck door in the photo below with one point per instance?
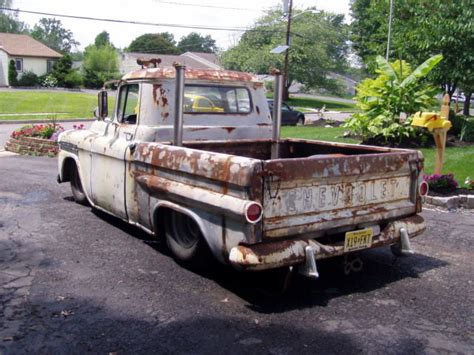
(111, 153)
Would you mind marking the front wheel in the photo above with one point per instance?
(185, 240)
(76, 188)
(300, 121)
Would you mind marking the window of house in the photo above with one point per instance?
(49, 65)
(128, 104)
(19, 64)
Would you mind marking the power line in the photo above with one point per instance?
(176, 25)
(209, 6)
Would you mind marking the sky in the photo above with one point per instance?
(213, 13)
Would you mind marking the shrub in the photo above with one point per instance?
(73, 79)
(469, 183)
(28, 79)
(441, 183)
(467, 129)
(49, 81)
(388, 101)
(61, 69)
(12, 73)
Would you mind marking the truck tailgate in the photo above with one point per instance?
(322, 192)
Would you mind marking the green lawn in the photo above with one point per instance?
(58, 105)
(304, 104)
(333, 134)
(458, 160)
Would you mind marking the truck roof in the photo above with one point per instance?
(196, 74)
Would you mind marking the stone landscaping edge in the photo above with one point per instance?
(32, 146)
(451, 202)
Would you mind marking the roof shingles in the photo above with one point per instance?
(25, 46)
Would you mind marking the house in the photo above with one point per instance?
(192, 60)
(28, 54)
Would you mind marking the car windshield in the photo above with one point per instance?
(216, 99)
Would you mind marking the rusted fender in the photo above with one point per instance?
(194, 196)
(291, 252)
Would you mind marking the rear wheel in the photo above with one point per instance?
(300, 121)
(185, 240)
(76, 188)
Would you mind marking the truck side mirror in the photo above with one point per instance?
(103, 108)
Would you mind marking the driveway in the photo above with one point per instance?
(74, 280)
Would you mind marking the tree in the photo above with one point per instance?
(103, 39)
(160, 43)
(51, 32)
(9, 22)
(318, 47)
(194, 42)
(62, 68)
(12, 73)
(420, 29)
(100, 65)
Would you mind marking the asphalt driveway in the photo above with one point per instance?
(73, 280)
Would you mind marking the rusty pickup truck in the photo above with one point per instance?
(194, 157)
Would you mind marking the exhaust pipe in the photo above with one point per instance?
(277, 99)
(178, 105)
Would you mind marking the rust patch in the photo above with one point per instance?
(156, 87)
(164, 99)
(190, 74)
(229, 129)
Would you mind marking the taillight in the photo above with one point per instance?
(424, 188)
(253, 212)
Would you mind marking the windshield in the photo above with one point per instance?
(216, 99)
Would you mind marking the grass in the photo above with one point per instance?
(458, 160)
(59, 105)
(333, 134)
(304, 104)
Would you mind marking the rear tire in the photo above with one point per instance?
(76, 188)
(185, 240)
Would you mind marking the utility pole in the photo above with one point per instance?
(389, 29)
(285, 69)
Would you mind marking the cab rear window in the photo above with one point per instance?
(216, 99)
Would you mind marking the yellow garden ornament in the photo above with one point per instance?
(430, 120)
(438, 124)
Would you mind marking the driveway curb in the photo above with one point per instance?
(451, 202)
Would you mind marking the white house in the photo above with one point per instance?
(28, 54)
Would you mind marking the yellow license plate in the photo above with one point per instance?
(357, 240)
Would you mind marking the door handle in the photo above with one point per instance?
(128, 136)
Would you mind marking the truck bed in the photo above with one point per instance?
(315, 186)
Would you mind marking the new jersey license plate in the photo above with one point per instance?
(356, 240)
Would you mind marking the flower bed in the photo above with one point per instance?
(446, 185)
(40, 139)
